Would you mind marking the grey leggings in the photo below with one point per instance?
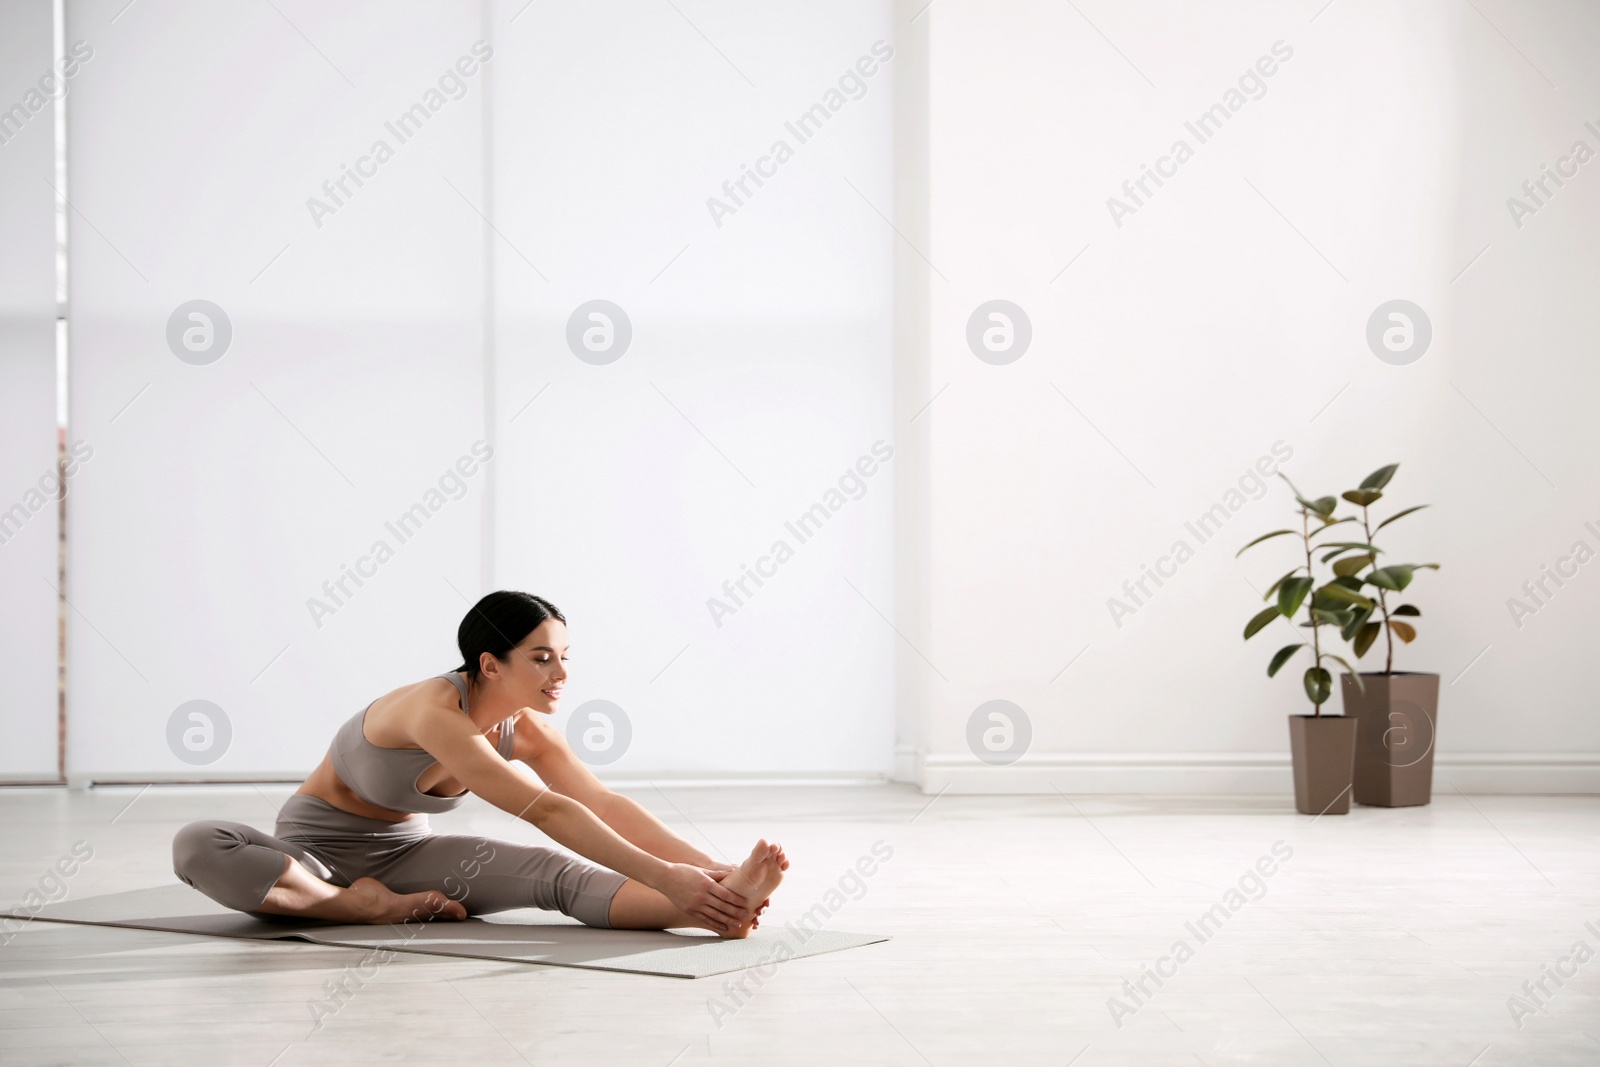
(236, 865)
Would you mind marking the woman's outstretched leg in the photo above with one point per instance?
(638, 907)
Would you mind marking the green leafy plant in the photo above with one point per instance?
(1337, 602)
(1351, 559)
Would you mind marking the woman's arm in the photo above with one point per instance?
(542, 747)
(635, 822)
(451, 738)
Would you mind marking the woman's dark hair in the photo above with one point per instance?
(497, 623)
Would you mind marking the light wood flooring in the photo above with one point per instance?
(1387, 937)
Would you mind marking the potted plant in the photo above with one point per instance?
(1397, 710)
(1322, 746)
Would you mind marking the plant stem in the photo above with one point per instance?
(1316, 641)
(1383, 602)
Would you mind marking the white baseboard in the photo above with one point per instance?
(1532, 773)
(743, 780)
(29, 779)
(620, 780)
(905, 765)
(1235, 773)
(1154, 774)
(83, 780)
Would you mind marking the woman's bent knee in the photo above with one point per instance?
(222, 860)
(200, 846)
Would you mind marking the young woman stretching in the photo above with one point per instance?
(353, 844)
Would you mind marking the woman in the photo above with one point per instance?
(353, 844)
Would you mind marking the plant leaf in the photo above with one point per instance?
(1321, 506)
(1292, 594)
(1268, 594)
(1397, 515)
(1331, 616)
(1352, 565)
(1347, 546)
(1336, 591)
(1357, 621)
(1403, 630)
(1319, 684)
(1324, 528)
(1323, 602)
(1281, 657)
(1259, 623)
(1365, 636)
(1264, 537)
(1380, 477)
(1362, 497)
(1361, 685)
(1406, 609)
(1394, 577)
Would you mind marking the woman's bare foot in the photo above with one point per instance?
(300, 893)
(755, 879)
(376, 904)
(783, 865)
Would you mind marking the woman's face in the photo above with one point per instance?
(535, 671)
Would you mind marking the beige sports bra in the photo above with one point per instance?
(387, 777)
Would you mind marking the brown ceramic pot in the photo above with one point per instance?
(1394, 746)
(1324, 749)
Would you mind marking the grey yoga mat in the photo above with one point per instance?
(523, 936)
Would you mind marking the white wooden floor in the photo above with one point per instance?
(1387, 937)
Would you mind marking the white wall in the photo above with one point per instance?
(769, 352)
(29, 526)
(759, 372)
(221, 497)
(1225, 315)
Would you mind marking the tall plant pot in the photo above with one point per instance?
(1399, 715)
(1324, 749)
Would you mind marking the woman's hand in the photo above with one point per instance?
(699, 893)
(719, 871)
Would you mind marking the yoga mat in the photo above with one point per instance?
(523, 936)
